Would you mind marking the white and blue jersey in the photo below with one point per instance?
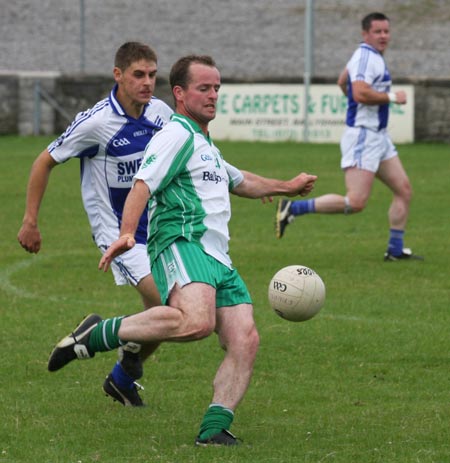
(368, 65)
(110, 145)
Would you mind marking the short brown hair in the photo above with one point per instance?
(130, 52)
(366, 23)
(179, 74)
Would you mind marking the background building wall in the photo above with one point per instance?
(248, 38)
(251, 40)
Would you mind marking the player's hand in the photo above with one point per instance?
(30, 238)
(123, 244)
(302, 185)
(400, 97)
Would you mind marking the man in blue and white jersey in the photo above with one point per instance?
(109, 140)
(367, 150)
(188, 183)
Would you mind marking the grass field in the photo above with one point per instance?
(365, 381)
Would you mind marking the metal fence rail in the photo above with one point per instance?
(41, 94)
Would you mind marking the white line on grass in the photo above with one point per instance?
(9, 288)
(5, 279)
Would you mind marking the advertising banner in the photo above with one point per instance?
(275, 112)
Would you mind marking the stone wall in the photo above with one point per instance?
(77, 93)
(432, 115)
(251, 41)
(9, 97)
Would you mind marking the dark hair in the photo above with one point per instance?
(179, 74)
(367, 20)
(130, 52)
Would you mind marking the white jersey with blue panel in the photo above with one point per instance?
(110, 145)
(368, 65)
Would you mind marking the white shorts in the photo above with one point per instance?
(365, 149)
(132, 266)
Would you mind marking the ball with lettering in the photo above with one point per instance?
(296, 293)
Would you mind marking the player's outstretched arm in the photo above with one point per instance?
(29, 235)
(134, 207)
(255, 186)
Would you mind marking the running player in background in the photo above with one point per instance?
(109, 140)
(367, 150)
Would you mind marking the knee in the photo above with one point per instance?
(250, 347)
(354, 205)
(253, 340)
(192, 324)
(407, 192)
(249, 342)
(245, 343)
(200, 329)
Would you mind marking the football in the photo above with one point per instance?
(296, 293)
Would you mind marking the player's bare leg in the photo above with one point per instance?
(189, 316)
(393, 175)
(358, 185)
(149, 292)
(240, 340)
(192, 316)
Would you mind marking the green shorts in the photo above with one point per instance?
(184, 262)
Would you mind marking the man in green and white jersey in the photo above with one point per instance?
(187, 183)
(190, 184)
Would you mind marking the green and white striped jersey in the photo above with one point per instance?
(190, 183)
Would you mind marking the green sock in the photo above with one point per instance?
(216, 418)
(104, 336)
